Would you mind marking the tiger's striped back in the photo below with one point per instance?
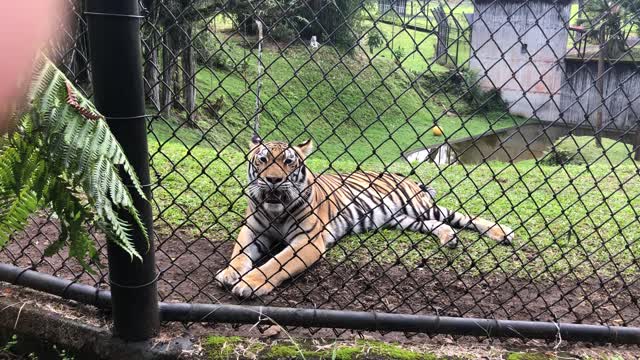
(364, 201)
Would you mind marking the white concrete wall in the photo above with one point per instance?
(517, 47)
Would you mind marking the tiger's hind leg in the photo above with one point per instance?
(444, 232)
(500, 233)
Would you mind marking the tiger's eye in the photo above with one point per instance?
(263, 159)
(288, 161)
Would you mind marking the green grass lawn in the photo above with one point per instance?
(357, 107)
(418, 47)
(540, 202)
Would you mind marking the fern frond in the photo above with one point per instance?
(15, 211)
(8, 158)
(65, 148)
(119, 230)
(72, 214)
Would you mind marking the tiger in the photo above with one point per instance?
(288, 203)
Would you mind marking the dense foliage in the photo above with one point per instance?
(337, 22)
(63, 157)
(609, 23)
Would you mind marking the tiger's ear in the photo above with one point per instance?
(306, 148)
(255, 141)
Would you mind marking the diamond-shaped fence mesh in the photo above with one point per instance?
(443, 119)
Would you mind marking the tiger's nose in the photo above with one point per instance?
(274, 180)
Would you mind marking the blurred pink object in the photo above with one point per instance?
(25, 26)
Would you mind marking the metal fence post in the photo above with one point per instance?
(116, 60)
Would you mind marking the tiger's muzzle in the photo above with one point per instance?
(275, 197)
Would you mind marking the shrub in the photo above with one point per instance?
(574, 150)
(374, 39)
(477, 98)
(398, 55)
(338, 21)
(282, 32)
(464, 83)
(582, 150)
(210, 53)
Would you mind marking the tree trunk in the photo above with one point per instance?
(600, 85)
(256, 121)
(177, 46)
(580, 9)
(188, 76)
(177, 82)
(168, 59)
(636, 156)
(151, 72)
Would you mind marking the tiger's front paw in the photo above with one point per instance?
(228, 277)
(447, 236)
(251, 285)
(502, 234)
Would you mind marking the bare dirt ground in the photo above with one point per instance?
(188, 268)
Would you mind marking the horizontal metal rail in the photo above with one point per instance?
(358, 320)
(407, 26)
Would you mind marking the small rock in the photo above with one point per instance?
(272, 331)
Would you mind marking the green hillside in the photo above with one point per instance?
(358, 103)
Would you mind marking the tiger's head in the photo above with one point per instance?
(277, 175)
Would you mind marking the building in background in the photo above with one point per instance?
(519, 47)
(399, 6)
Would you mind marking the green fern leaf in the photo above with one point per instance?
(65, 158)
(14, 213)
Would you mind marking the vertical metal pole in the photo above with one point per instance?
(116, 61)
(256, 121)
(636, 143)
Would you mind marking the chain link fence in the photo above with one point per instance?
(532, 124)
